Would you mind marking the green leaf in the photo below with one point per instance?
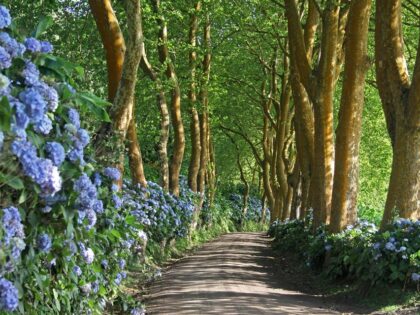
(15, 183)
(12, 181)
(91, 103)
(130, 220)
(5, 114)
(115, 233)
(22, 197)
(42, 26)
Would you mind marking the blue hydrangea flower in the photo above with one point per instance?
(1, 139)
(44, 242)
(49, 94)
(114, 187)
(112, 173)
(95, 286)
(9, 300)
(118, 279)
(5, 59)
(46, 47)
(77, 271)
(74, 117)
(5, 18)
(55, 152)
(13, 231)
(121, 263)
(81, 139)
(98, 207)
(97, 180)
(415, 277)
(34, 104)
(32, 44)
(76, 155)
(117, 201)
(30, 73)
(137, 311)
(87, 192)
(91, 218)
(390, 246)
(43, 126)
(12, 46)
(20, 117)
(87, 254)
(18, 245)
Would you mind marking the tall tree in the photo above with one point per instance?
(317, 87)
(175, 108)
(194, 166)
(346, 175)
(122, 65)
(204, 116)
(401, 105)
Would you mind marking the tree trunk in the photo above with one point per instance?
(175, 108)
(122, 74)
(400, 102)
(113, 41)
(323, 113)
(346, 176)
(164, 121)
(204, 119)
(134, 155)
(194, 166)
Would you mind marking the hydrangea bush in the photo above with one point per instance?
(360, 252)
(65, 238)
(254, 211)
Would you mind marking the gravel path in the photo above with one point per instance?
(234, 274)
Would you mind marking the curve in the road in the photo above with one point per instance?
(234, 274)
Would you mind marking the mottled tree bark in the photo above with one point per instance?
(175, 108)
(194, 166)
(204, 116)
(316, 88)
(400, 102)
(114, 45)
(124, 100)
(323, 113)
(164, 120)
(346, 176)
(113, 41)
(134, 155)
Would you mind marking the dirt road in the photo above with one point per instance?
(234, 274)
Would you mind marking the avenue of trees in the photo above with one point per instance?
(311, 104)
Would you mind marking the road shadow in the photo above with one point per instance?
(235, 274)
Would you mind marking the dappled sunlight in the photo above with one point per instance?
(232, 275)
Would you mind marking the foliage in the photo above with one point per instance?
(359, 253)
(254, 210)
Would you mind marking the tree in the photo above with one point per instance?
(122, 75)
(175, 108)
(401, 105)
(346, 175)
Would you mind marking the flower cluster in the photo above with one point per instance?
(360, 251)
(70, 210)
(12, 240)
(254, 211)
